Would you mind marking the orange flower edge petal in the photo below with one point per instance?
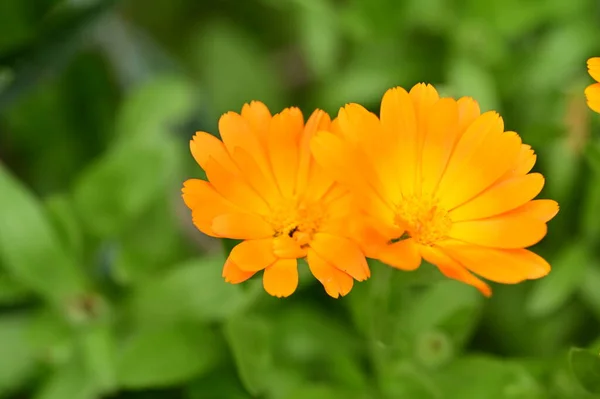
(264, 187)
(449, 173)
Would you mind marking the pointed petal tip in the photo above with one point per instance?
(486, 291)
(255, 103)
(539, 273)
(333, 294)
(394, 91)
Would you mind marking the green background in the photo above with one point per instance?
(108, 291)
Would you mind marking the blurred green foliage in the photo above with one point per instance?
(107, 290)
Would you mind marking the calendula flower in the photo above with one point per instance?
(592, 92)
(265, 188)
(435, 179)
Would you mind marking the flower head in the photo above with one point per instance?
(435, 179)
(265, 188)
(592, 92)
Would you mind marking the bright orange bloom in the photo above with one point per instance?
(592, 92)
(265, 188)
(437, 180)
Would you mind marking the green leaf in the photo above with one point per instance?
(586, 368)
(590, 212)
(151, 244)
(57, 39)
(234, 69)
(402, 379)
(123, 184)
(17, 358)
(167, 356)
(474, 377)
(559, 54)
(448, 306)
(323, 391)
(221, 383)
(66, 224)
(589, 288)
(307, 339)
(433, 349)
(249, 339)
(369, 304)
(154, 108)
(283, 381)
(193, 290)
(18, 28)
(97, 344)
(69, 381)
(553, 291)
(12, 292)
(30, 248)
(25, 340)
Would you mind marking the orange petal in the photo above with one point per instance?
(485, 126)
(593, 65)
(286, 247)
(508, 266)
(345, 164)
(340, 208)
(592, 94)
(357, 122)
(253, 255)
(452, 269)
(241, 226)
(319, 120)
(399, 121)
(424, 96)
(523, 164)
(318, 184)
(470, 142)
(236, 132)
(348, 155)
(542, 209)
(479, 169)
(234, 274)
(335, 281)
(468, 111)
(283, 145)
(205, 146)
(235, 189)
(281, 278)
(258, 117)
(402, 255)
(205, 204)
(263, 183)
(371, 235)
(501, 197)
(342, 253)
(441, 133)
(503, 231)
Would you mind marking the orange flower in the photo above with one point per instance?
(437, 180)
(265, 188)
(592, 92)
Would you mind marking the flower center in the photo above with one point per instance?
(423, 219)
(297, 220)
